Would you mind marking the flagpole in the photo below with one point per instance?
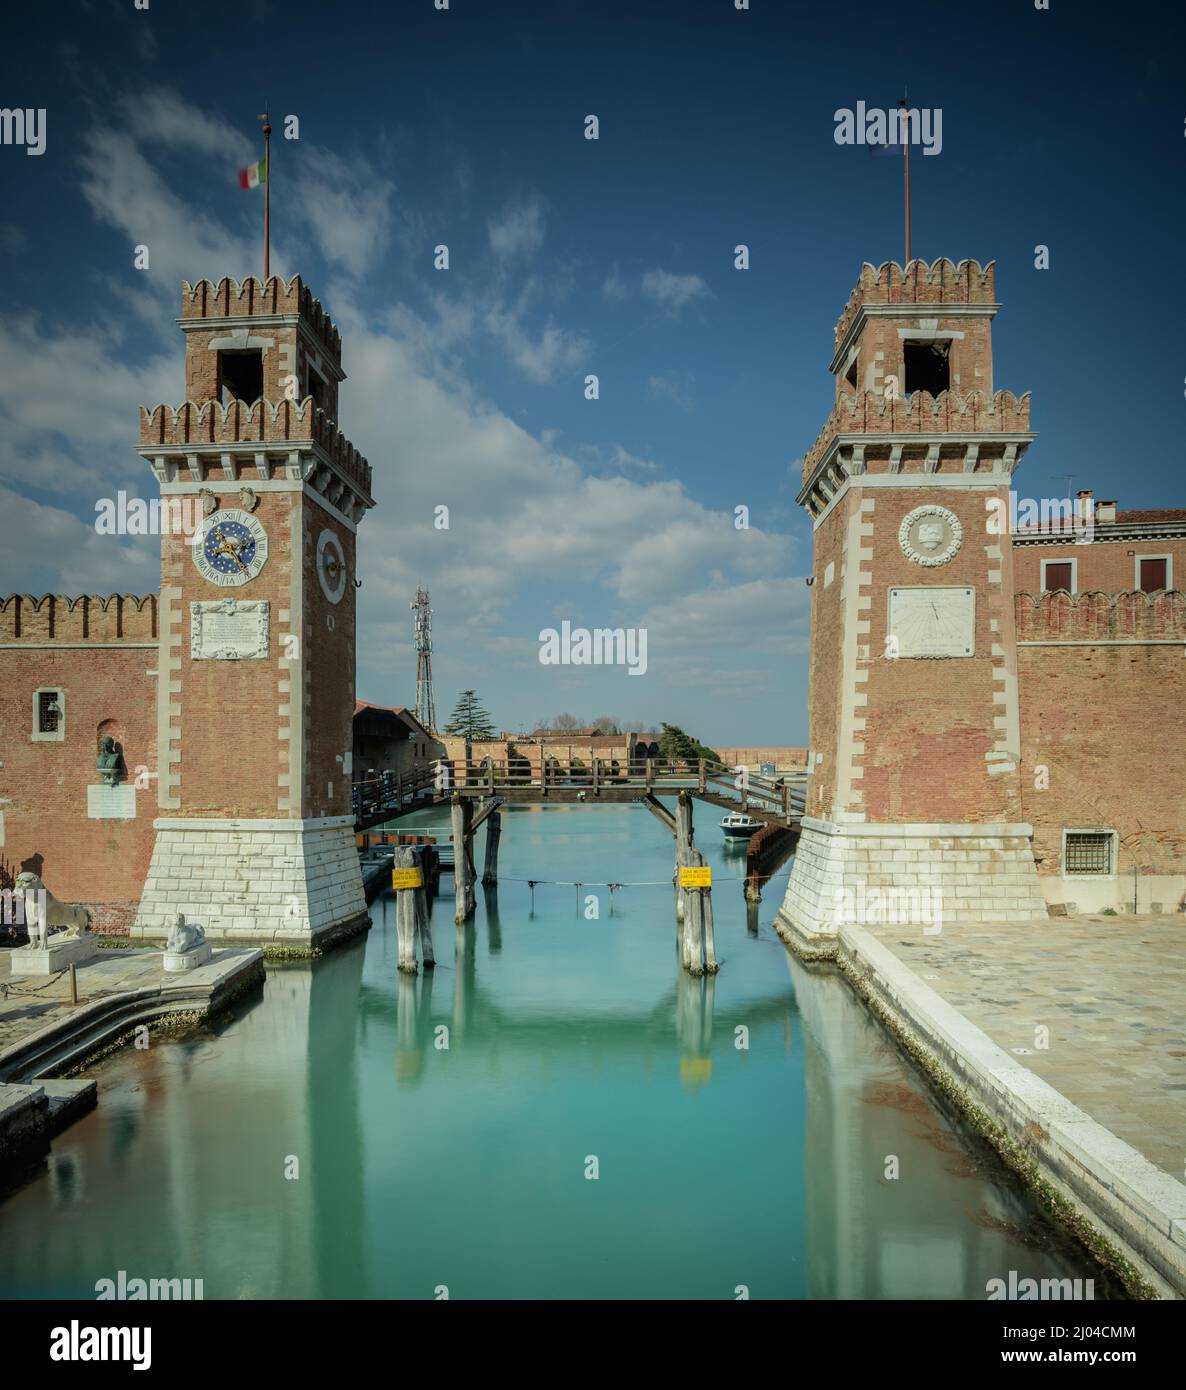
(268, 196)
(906, 161)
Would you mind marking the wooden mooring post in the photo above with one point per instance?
(462, 814)
(411, 909)
(683, 843)
(698, 946)
(493, 834)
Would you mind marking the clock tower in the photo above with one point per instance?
(914, 796)
(261, 496)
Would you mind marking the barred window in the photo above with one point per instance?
(49, 711)
(1088, 852)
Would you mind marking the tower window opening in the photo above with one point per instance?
(850, 375)
(927, 367)
(241, 376)
(318, 390)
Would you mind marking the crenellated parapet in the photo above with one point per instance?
(941, 282)
(237, 437)
(873, 413)
(111, 619)
(1131, 615)
(251, 298)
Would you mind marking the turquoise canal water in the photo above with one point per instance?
(570, 1039)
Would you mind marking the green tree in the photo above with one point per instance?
(471, 719)
(676, 745)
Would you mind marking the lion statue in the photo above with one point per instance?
(184, 936)
(45, 915)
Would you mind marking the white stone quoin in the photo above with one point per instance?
(282, 881)
(981, 873)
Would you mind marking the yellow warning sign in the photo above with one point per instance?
(696, 878)
(407, 878)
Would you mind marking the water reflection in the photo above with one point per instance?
(440, 1123)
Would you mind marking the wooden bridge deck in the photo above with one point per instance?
(772, 802)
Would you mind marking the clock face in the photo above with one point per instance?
(331, 566)
(230, 548)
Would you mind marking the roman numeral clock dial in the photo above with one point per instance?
(230, 548)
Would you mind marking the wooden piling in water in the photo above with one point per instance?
(420, 904)
(462, 815)
(405, 913)
(683, 843)
(493, 834)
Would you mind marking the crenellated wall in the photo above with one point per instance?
(208, 423)
(873, 413)
(941, 282)
(231, 298)
(25, 618)
(1131, 615)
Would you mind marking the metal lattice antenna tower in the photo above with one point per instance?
(426, 711)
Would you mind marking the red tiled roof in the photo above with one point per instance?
(1155, 514)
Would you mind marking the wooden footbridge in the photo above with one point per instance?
(773, 801)
(475, 796)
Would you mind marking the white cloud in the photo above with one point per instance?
(668, 390)
(614, 288)
(553, 353)
(518, 228)
(48, 550)
(672, 292)
(346, 204)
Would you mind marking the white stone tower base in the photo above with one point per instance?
(908, 875)
(268, 882)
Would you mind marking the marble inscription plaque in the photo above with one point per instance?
(229, 630)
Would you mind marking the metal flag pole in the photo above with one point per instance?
(267, 194)
(905, 129)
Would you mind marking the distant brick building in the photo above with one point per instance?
(391, 740)
(969, 733)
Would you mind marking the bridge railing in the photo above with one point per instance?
(392, 791)
(786, 796)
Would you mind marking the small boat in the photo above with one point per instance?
(738, 826)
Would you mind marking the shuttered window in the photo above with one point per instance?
(1154, 573)
(1058, 574)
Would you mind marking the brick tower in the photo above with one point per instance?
(254, 838)
(914, 726)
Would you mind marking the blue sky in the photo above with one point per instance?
(466, 388)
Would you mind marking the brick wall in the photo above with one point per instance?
(99, 652)
(1105, 566)
(931, 723)
(782, 757)
(1104, 724)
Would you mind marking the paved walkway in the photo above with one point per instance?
(30, 1003)
(1111, 991)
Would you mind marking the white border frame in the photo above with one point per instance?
(1136, 571)
(59, 734)
(1045, 589)
(1091, 830)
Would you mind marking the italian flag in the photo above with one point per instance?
(253, 175)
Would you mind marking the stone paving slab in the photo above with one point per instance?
(1111, 991)
(31, 1004)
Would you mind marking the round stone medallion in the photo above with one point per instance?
(930, 535)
